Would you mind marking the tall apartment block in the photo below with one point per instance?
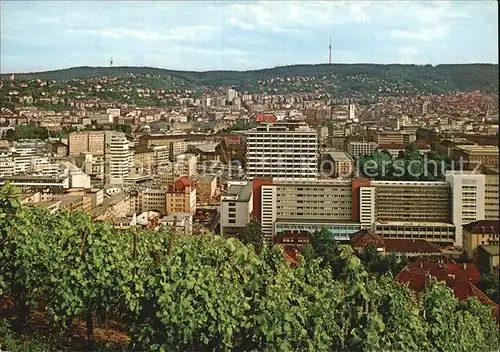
(283, 150)
(117, 157)
(468, 191)
(491, 194)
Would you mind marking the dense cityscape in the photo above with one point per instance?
(327, 207)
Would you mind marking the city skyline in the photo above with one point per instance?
(38, 36)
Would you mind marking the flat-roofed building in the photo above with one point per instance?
(307, 205)
(355, 148)
(205, 188)
(36, 182)
(236, 208)
(491, 193)
(389, 137)
(436, 232)
(337, 164)
(473, 155)
(412, 201)
(488, 258)
(287, 150)
(86, 142)
(144, 158)
(468, 194)
(153, 200)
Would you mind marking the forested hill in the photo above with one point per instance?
(423, 78)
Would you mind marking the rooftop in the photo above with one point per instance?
(340, 156)
(491, 249)
(243, 193)
(207, 178)
(483, 227)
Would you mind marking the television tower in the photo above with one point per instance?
(330, 52)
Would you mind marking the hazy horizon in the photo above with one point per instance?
(231, 36)
(256, 69)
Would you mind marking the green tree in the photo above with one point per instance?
(253, 235)
(490, 285)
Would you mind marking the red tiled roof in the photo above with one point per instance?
(483, 226)
(392, 146)
(434, 259)
(363, 238)
(464, 272)
(462, 289)
(406, 246)
(181, 184)
(266, 118)
(290, 255)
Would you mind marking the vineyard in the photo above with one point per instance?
(206, 293)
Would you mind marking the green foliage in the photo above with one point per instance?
(457, 326)
(490, 285)
(253, 235)
(410, 165)
(350, 78)
(27, 132)
(10, 342)
(379, 264)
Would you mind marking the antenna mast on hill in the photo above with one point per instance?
(111, 62)
(330, 52)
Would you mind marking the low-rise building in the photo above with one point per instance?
(400, 246)
(480, 233)
(181, 197)
(342, 165)
(488, 258)
(354, 148)
(236, 208)
(473, 155)
(205, 189)
(36, 182)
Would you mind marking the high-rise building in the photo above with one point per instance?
(231, 94)
(491, 194)
(284, 150)
(117, 157)
(468, 192)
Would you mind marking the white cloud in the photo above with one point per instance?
(240, 24)
(192, 33)
(422, 34)
(290, 15)
(407, 51)
(184, 33)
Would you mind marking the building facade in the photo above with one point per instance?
(117, 157)
(283, 150)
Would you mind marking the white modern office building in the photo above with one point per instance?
(117, 157)
(284, 150)
(468, 192)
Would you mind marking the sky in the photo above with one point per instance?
(232, 35)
